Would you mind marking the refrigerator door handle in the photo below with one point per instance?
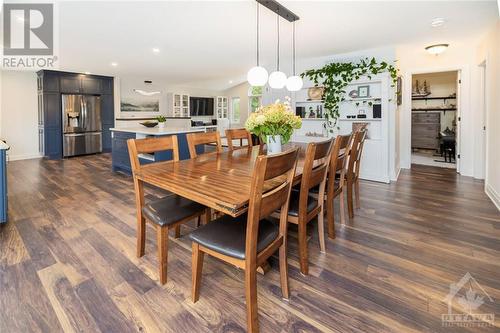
(82, 134)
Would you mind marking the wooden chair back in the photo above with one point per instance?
(151, 145)
(195, 139)
(272, 182)
(238, 134)
(355, 152)
(338, 162)
(315, 169)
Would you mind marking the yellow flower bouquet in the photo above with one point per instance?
(273, 122)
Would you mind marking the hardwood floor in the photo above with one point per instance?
(68, 263)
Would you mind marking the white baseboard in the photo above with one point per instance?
(398, 171)
(23, 157)
(493, 195)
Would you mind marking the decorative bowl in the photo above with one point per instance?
(149, 123)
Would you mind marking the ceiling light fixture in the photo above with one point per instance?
(436, 49)
(156, 50)
(294, 82)
(114, 64)
(257, 76)
(87, 73)
(230, 81)
(277, 79)
(146, 93)
(438, 22)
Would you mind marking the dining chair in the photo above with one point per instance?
(249, 240)
(166, 213)
(238, 134)
(201, 138)
(304, 207)
(335, 182)
(352, 173)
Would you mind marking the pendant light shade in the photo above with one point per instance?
(294, 82)
(257, 76)
(277, 80)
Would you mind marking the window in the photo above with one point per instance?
(235, 110)
(254, 98)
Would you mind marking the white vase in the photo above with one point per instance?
(273, 144)
(162, 125)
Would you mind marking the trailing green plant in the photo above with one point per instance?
(334, 77)
(161, 119)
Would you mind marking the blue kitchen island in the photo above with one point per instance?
(3, 181)
(119, 150)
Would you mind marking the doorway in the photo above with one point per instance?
(435, 119)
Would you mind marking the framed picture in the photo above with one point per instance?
(363, 91)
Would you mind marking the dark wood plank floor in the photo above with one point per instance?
(67, 260)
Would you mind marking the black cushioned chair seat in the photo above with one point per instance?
(170, 209)
(227, 235)
(293, 208)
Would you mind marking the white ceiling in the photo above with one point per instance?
(214, 41)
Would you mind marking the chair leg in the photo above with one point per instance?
(330, 217)
(177, 231)
(251, 299)
(162, 240)
(303, 257)
(197, 268)
(350, 208)
(284, 271)
(342, 207)
(321, 230)
(141, 236)
(356, 193)
(198, 221)
(208, 216)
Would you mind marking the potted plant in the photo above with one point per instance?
(274, 124)
(161, 121)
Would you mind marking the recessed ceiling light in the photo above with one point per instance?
(230, 81)
(87, 73)
(114, 64)
(156, 50)
(437, 48)
(438, 22)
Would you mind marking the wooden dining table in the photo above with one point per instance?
(220, 181)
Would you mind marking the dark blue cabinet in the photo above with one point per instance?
(3, 184)
(51, 84)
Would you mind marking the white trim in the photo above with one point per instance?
(493, 195)
(398, 171)
(405, 116)
(23, 157)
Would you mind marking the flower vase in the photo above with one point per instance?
(273, 144)
(162, 124)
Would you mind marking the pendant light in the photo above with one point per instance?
(277, 79)
(257, 76)
(294, 82)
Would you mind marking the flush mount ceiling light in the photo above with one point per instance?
(277, 79)
(294, 82)
(146, 93)
(257, 76)
(114, 64)
(436, 49)
(438, 22)
(156, 50)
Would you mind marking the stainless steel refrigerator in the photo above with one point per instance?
(82, 129)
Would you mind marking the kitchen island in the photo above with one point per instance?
(119, 151)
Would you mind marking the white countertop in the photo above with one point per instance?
(3, 146)
(156, 130)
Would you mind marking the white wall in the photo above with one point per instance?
(489, 51)
(240, 91)
(19, 116)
